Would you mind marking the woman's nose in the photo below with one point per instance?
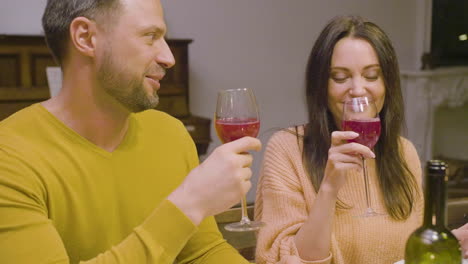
(357, 88)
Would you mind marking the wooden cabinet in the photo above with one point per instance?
(23, 81)
(174, 90)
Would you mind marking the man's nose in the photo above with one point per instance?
(165, 58)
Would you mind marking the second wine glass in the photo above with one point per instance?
(360, 115)
(236, 117)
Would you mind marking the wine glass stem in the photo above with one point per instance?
(366, 183)
(245, 217)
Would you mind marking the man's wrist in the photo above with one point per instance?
(187, 205)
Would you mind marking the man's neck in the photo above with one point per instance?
(87, 110)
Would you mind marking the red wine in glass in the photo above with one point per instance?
(230, 129)
(368, 130)
(237, 116)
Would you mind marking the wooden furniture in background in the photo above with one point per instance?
(22, 60)
(23, 81)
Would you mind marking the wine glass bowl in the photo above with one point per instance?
(236, 117)
(360, 115)
(368, 130)
(230, 129)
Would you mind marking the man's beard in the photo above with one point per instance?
(127, 90)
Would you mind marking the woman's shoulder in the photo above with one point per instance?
(287, 135)
(406, 144)
(288, 140)
(408, 150)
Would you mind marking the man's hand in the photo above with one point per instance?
(462, 236)
(219, 182)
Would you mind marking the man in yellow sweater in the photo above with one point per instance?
(89, 176)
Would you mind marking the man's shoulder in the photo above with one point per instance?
(18, 124)
(23, 116)
(158, 118)
(18, 136)
(161, 123)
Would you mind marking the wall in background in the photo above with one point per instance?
(21, 17)
(451, 132)
(262, 44)
(265, 45)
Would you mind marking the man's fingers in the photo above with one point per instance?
(245, 174)
(245, 160)
(464, 248)
(460, 233)
(245, 144)
(246, 185)
(465, 226)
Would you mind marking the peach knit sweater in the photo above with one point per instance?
(285, 195)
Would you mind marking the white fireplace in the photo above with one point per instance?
(424, 92)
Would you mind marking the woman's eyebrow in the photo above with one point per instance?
(372, 66)
(339, 68)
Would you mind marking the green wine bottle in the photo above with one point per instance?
(433, 243)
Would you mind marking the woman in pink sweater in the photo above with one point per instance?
(311, 186)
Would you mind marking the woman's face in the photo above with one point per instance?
(354, 72)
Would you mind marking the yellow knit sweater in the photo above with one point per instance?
(65, 200)
(285, 195)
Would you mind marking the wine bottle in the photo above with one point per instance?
(433, 243)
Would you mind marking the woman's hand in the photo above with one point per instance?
(462, 236)
(343, 156)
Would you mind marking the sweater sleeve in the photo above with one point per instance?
(27, 235)
(207, 245)
(280, 203)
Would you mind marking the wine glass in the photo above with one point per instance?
(236, 117)
(361, 116)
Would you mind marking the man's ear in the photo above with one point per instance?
(83, 35)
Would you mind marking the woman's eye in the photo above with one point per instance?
(339, 78)
(372, 77)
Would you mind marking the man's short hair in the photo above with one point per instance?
(59, 14)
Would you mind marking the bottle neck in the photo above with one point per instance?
(435, 201)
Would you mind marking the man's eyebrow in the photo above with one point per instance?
(153, 28)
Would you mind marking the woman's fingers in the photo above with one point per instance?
(340, 144)
(340, 137)
(340, 160)
(354, 149)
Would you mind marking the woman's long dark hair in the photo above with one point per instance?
(398, 185)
